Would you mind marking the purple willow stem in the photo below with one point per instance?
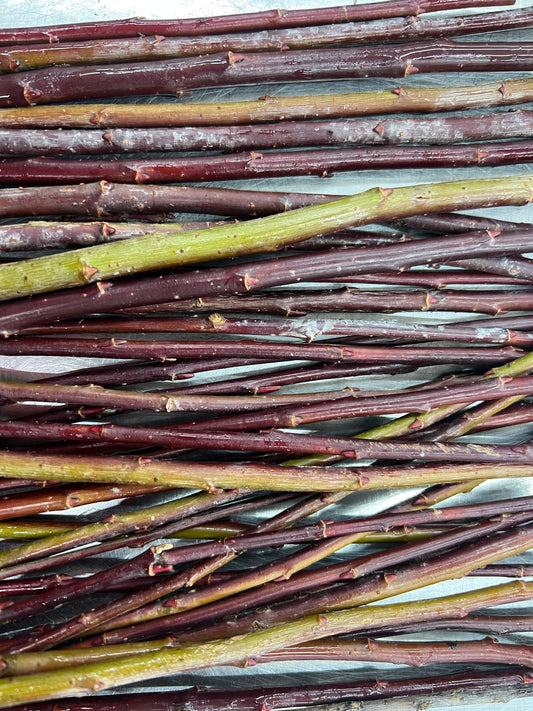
(245, 277)
(507, 266)
(410, 653)
(422, 401)
(224, 385)
(105, 199)
(306, 329)
(303, 534)
(186, 578)
(157, 402)
(271, 382)
(198, 398)
(231, 23)
(276, 441)
(105, 51)
(522, 322)
(497, 623)
(163, 350)
(129, 374)
(295, 134)
(437, 278)
(450, 222)
(312, 504)
(298, 696)
(249, 165)
(144, 564)
(129, 523)
(299, 302)
(173, 76)
(31, 586)
(518, 414)
(357, 405)
(135, 540)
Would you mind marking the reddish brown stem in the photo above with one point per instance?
(321, 162)
(239, 22)
(173, 76)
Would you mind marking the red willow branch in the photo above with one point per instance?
(259, 587)
(108, 199)
(488, 622)
(416, 654)
(231, 23)
(64, 498)
(321, 162)
(174, 76)
(286, 443)
(355, 593)
(163, 350)
(161, 402)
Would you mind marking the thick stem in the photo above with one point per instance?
(268, 108)
(172, 76)
(251, 165)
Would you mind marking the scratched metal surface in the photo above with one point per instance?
(15, 13)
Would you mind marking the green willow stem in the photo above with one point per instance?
(104, 261)
(87, 678)
(32, 529)
(272, 108)
(214, 476)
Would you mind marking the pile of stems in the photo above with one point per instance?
(103, 51)
(244, 404)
